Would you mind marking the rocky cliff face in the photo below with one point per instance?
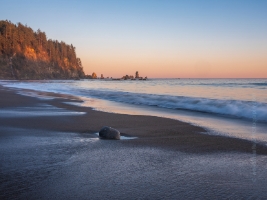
(21, 68)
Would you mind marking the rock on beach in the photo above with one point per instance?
(109, 133)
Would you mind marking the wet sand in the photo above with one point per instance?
(155, 131)
(58, 156)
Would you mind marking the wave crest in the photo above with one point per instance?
(241, 109)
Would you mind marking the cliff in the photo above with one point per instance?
(26, 54)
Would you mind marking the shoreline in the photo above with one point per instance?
(151, 131)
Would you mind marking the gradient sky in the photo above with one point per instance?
(158, 38)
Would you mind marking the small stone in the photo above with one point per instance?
(109, 133)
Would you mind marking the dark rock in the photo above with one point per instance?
(109, 133)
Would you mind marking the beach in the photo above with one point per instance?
(49, 149)
(133, 100)
(150, 130)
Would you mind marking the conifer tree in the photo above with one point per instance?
(20, 39)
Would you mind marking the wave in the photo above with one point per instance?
(243, 85)
(253, 110)
(241, 109)
(260, 84)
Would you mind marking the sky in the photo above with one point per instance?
(158, 38)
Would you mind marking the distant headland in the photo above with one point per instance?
(126, 77)
(27, 54)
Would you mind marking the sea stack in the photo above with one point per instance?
(137, 75)
(94, 76)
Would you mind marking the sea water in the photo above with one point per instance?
(232, 107)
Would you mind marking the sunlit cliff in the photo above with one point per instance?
(26, 54)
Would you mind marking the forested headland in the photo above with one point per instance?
(28, 54)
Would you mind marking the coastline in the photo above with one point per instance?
(150, 130)
(49, 150)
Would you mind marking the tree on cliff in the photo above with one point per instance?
(36, 57)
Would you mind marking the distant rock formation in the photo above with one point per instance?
(136, 75)
(127, 77)
(130, 77)
(94, 76)
(88, 76)
(109, 133)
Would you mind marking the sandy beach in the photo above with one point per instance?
(73, 163)
(156, 131)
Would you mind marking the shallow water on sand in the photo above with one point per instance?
(37, 164)
(229, 107)
(35, 111)
(215, 124)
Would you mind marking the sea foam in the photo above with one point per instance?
(234, 108)
(254, 109)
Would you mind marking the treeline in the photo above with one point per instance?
(28, 54)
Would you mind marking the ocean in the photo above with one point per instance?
(230, 107)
